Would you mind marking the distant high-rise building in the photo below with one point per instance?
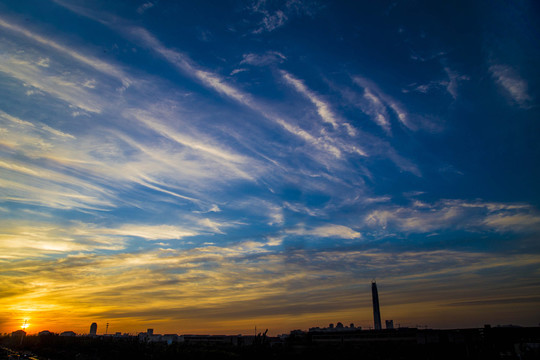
(376, 310)
(150, 332)
(389, 324)
(93, 329)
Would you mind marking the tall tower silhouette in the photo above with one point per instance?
(376, 310)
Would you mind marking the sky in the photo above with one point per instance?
(210, 167)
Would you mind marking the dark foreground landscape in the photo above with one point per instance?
(485, 343)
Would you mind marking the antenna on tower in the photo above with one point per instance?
(107, 329)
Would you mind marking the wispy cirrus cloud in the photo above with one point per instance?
(198, 144)
(147, 232)
(377, 110)
(216, 82)
(67, 89)
(326, 231)
(186, 65)
(423, 217)
(100, 157)
(378, 102)
(327, 143)
(95, 63)
(323, 109)
(35, 126)
(219, 84)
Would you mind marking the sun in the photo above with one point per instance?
(25, 324)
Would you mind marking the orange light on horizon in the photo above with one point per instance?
(25, 324)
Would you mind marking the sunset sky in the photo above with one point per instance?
(211, 166)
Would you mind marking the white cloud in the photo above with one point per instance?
(450, 85)
(273, 21)
(423, 217)
(317, 142)
(237, 71)
(147, 232)
(327, 231)
(323, 109)
(219, 84)
(44, 62)
(147, 5)
(61, 87)
(268, 58)
(275, 17)
(270, 20)
(512, 221)
(183, 63)
(379, 102)
(95, 63)
(212, 208)
(377, 110)
(19, 239)
(212, 225)
(512, 83)
(106, 164)
(195, 143)
(321, 139)
(274, 240)
(453, 80)
(276, 215)
(57, 132)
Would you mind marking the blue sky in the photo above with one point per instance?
(215, 166)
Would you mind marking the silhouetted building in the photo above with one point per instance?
(338, 328)
(376, 309)
(170, 338)
(150, 332)
(45, 333)
(68, 333)
(93, 329)
(389, 324)
(18, 333)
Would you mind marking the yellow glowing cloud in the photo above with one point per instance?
(219, 289)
